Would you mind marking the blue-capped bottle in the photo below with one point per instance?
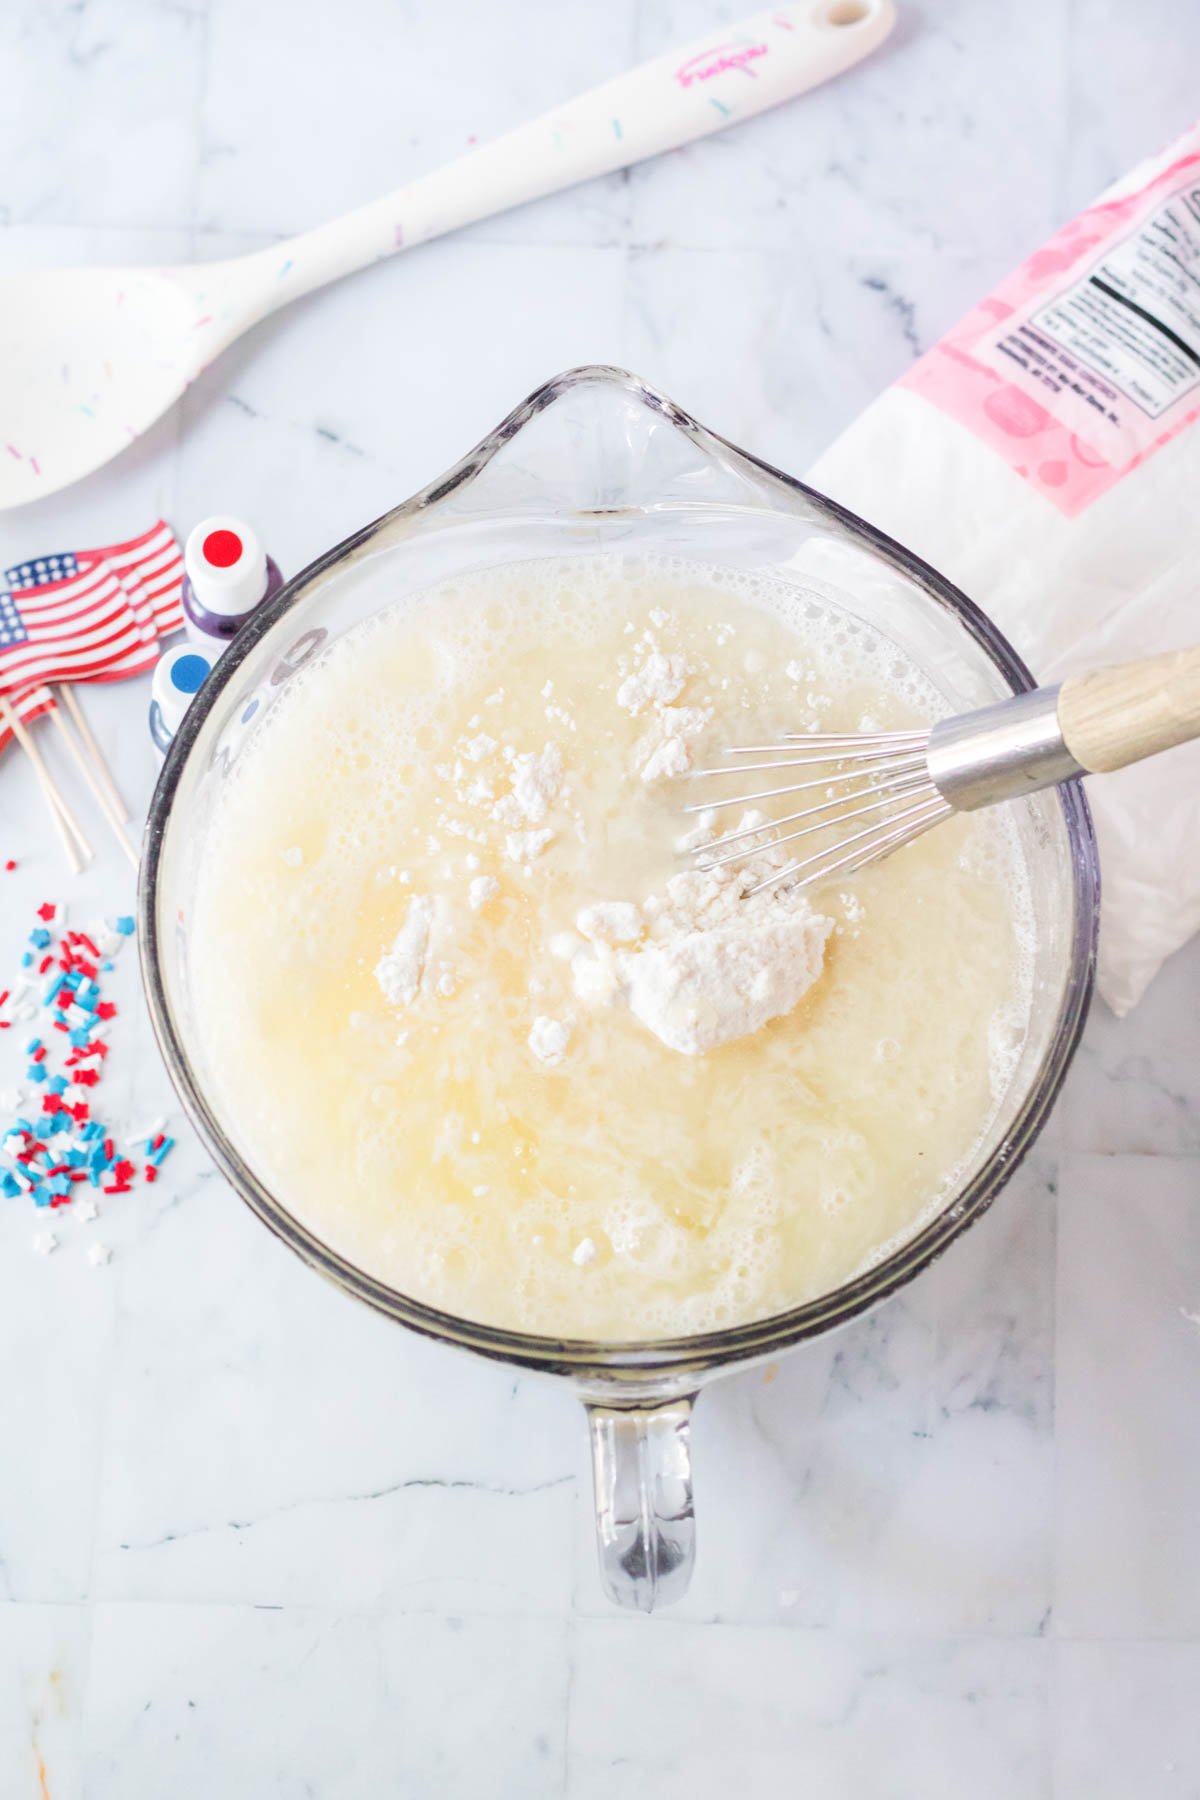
(179, 674)
(227, 574)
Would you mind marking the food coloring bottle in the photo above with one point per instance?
(227, 573)
(179, 675)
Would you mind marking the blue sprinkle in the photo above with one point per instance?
(32, 1045)
(156, 1156)
(27, 960)
(107, 967)
(35, 1072)
(59, 1084)
(80, 1036)
(40, 938)
(40, 1197)
(124, 925)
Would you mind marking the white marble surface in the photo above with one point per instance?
(255, 1541)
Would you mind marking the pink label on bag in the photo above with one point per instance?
(1087, 359)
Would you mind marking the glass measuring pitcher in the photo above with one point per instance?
(596, 461)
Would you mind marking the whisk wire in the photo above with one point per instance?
(898, 828)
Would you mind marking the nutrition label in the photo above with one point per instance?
(1085, 361)
(1133, 319)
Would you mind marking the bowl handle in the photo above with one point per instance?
(645, 1529)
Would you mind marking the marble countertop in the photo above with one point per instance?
(256, 1541)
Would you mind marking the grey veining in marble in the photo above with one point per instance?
(255, 1541)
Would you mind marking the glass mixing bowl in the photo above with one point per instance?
(598, 461)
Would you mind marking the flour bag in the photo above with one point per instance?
(1045, 456)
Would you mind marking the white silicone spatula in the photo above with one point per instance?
(89, 358)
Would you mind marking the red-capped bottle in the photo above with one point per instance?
(227, 574)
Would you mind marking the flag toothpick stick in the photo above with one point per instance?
(77, 848)
(96, 786)
(66, 694)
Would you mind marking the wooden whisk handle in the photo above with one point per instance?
(1116, 716)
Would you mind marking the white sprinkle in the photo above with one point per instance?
(563, 945)
(98, 1255)
(583, 1253)
(86, 1210)
(480, 1191)
(44, 1243)
(149, 1131)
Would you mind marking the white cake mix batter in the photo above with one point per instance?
(479, 1024)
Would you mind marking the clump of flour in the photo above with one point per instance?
(719, 962)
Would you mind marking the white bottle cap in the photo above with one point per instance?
(226, 565)
(179, 675)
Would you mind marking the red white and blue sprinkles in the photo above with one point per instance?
(56, 1147)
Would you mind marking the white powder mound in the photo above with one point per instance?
(399, 972)
(701, 989)
(659, 680)
(481, 890)
(610, 922)
(549, 1038)
(720, 963)
(524, 846)
(671, 758)
(536, 779)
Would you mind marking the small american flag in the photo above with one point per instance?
(89, 615)
(28, 704)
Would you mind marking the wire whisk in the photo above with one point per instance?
(866, 795)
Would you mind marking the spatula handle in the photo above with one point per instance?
(732, 74)
(1117, 716)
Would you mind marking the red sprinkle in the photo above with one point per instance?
(44, 965)
(122, 1170)
(39, 1054)
(46, 911)
(10, 865)
(61, 1025)
(81, 937)
(106, 1010)
(151, 1172)
(85, 1077)
(4, 996)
